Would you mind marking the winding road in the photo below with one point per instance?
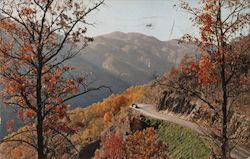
(150, 111)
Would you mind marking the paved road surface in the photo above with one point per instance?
(149, 110)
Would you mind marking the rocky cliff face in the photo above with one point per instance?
(240, 127)
(194, 109)
(176, 103)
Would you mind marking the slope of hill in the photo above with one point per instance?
(113, 115)
(121, 60)
(124, 59)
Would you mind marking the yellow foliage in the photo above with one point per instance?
(11, 150)
(97, 117)
(107, 117)
(90, 123)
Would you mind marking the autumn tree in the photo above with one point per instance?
(112, 147)
(142, 144)
(223, 64)
(145, 145)
(37, 38)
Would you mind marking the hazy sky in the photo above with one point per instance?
(134, 15)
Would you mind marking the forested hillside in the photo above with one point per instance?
(91, 79)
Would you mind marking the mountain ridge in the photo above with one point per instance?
(121, 60)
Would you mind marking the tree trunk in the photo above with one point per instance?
(40, 144)
(224, 146)
(221, 44)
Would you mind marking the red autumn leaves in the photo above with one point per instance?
(112, 147)
(24, 115)
(203, 70)
(140, 145)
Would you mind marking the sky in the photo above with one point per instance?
(157, 18)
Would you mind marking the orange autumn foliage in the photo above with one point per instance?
(112, 147)
(98, 116)
(111, 105)
(32, 74)
(221, 24)
(140, 145)
(144, 145)
(18, 151)
(206, 73)
(107, 117)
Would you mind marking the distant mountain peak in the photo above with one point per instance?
(128, 36)
(113, 34)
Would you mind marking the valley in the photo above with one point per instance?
(119, 60)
